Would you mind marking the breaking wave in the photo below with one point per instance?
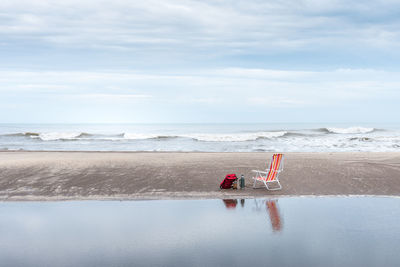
(53, 136)
(233, 137)
(138, 136)
(205, 137)
(238, 137)
(349, 130)
(297, 134)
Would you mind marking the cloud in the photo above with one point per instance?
(212, 28)
(209, 86)
(208, 95)
(198, 55)
(110, 96)
(280, 102)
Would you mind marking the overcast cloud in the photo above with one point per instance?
(199, 61)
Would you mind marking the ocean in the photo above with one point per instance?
(201, 137)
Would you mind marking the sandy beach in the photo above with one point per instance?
(142, 175)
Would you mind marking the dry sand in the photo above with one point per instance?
(141, 175)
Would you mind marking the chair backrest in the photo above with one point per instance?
(276, 165)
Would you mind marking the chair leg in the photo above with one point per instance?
(266, 184)
(276, 188)
(254, 184)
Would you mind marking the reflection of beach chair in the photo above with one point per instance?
(274, 215)
(270, 176)
(273, 212)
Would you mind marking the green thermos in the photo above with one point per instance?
(242, 181)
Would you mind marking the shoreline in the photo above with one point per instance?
(194, 152)
(172, 198)
(120, 176)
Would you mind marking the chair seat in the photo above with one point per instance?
(263, 179)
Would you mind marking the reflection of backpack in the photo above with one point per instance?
(230, 203)
(228, 181)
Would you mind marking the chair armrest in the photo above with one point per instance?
(259, 171)
(267, 171)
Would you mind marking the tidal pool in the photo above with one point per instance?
(297, 231)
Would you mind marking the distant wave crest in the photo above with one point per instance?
(138, 136)
(349, 130)
(53, 136)
(28, 134)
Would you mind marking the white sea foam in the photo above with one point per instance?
(52, 136)
(350, 130)
(238, 137)
(209, 137)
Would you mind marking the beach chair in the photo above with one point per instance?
(270, 176)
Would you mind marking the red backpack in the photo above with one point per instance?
(228, 181)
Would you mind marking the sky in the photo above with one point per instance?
(219, 61)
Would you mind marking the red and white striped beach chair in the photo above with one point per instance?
(270, 176)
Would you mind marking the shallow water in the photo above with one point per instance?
(326, 231)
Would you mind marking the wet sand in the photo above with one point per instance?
(159, 175)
